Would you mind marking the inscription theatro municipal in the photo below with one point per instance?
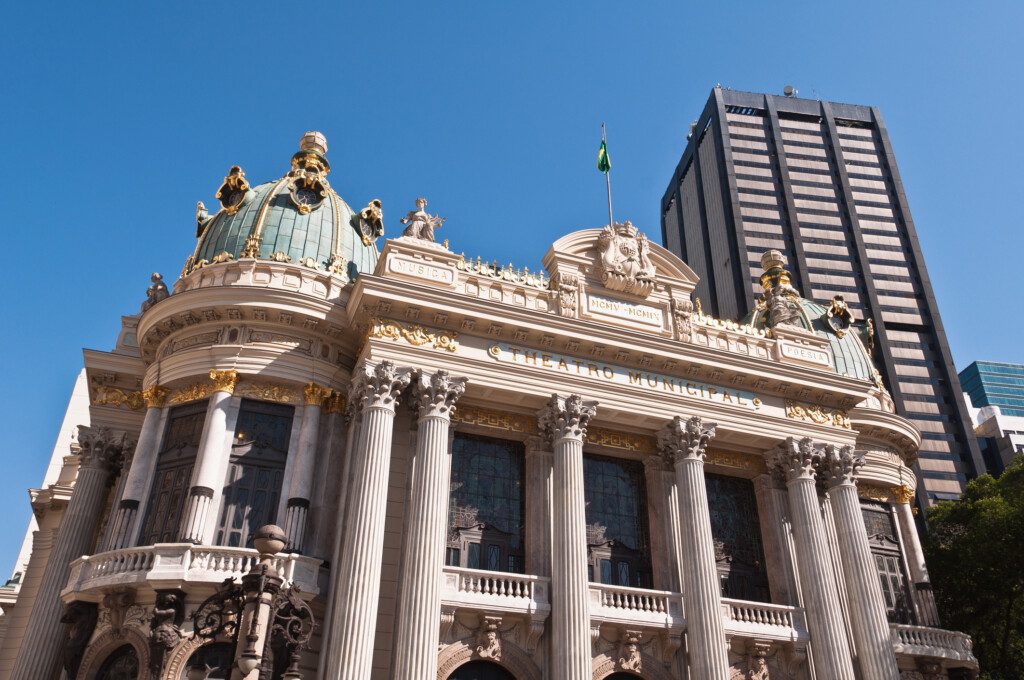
(552, 361)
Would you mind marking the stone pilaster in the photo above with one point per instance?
(124, 526)
(564, 422)
(685, 442)
(101, 453)
(539, 498)
(356, 576)
(211, 460)
(795, 461)
(303, 468)
(924, 598)
(838, 469)
(423, 545)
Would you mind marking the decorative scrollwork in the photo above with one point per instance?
(293, 624)
(815, 413)
(414, 335)
(221, 613)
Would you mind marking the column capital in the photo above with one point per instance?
(566, 417)
(315, 394)
(795, 459)
(224, 381)
(155, 396)
(903, 494)
(686, 439)
(435, 395)
(838, 465)
(379, 386)
(335, 402)
(101, 447)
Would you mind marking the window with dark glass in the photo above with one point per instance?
(885, 549)
(618, 545)
(173, 474)
(485, 519)
(736, 530)
(252, 489)
(122, 664)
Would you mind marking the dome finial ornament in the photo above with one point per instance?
(314, 140)
(308, 177)
(233, 191)
(370, 221)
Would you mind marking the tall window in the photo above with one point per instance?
(253, 486)
(617, 538)
(885, 548)
(485, 520)
(173, 474)
(736, 530)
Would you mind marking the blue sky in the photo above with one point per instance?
(115, 118)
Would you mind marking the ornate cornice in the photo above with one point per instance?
(224, 381)
(379, 386)
(435, 395)
(838, 465)
(566, 417)
(315, 395)
(816, 413)
(686, 439)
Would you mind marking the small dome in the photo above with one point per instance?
(298, 218)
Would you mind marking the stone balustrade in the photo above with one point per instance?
(933, 642)
(496, 591)
(178, 565)
(763, 620)
(636, 607)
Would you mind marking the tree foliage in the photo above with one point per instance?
(975, 553)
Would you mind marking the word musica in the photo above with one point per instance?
(622, 376)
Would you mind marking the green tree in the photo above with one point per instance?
(975, 553)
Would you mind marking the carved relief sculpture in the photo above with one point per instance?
(629, 651)
(421, 225)
(567, 288)
(165, 628)
(624, 259)
(489, 646)
(682, 310)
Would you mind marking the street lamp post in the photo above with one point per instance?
(260, 611)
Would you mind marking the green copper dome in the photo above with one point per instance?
(298, 218)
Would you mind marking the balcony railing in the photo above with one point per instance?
(933, 642)
(495, 590)
(760, 619)
(636, 606)
(173, 565)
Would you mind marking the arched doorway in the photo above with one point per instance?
(122, 664)
(481, 670)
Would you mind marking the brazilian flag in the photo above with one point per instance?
(604, 163)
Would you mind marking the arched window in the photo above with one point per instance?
(617, 534)
(122, 664)
(485, 520)
(253, 485)
(218, 657)
(481, 670)
(736, 530)
(173, 474)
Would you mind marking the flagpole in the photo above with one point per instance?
(607, 177)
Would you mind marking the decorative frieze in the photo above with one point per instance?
(414, 334)
(626, 441)
(498, 420)
(105, 395)
(816, 413)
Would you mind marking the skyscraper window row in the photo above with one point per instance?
(785, 122)
(749, 144)
(747, 185)
(806, 163)
(748, 159)
(800, 189)
(755, 172)
(881, 227)
(823, 233)
(811, 179)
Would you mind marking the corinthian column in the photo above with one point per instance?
(356, 579)
(838, 467)
(303, 468)
(140, 474)
(211, 460)
(419, 604)
(564, 422)
(40, 653)
(686, 441)
(795, 461)
(923, 598)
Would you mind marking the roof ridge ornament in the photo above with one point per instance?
(307, 180)
(624, 259)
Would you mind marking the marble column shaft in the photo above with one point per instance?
(303, 469)
(211, 460)
(685, 441)
(564, 421)
(875, 654)
(924, 599)
(539, 494)
(356, 580)
(829, 649)
(419, 624)
(124, 526)
(42, 646)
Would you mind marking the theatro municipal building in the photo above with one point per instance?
(322, 453)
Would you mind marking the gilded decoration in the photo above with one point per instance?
(815, 413)
(498, 420)
(335, 403)
(193, 392)
(903, 494)
(735, 460)
(155, 396)
(268, 392)
(105, 395)
(874, 492)
(224, 381)
(614, 439)
(414, 334)
(316, 395)
(232, 191)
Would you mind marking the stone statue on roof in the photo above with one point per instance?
(421, 224)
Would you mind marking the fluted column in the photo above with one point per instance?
(42, 645)
(124, 529)
(686, 441)
(419, 623)
(357, 578)
(211, 458)
(303, 468)
(564, 422)
(838, 469)
(924, 598)
(796, 460)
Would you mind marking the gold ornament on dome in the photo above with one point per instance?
(903, 494)
(224, 381)
(315, 394)
(115, 396)
(818, 414)
(267, 392)
(232, 192)
(414, 334)
(155, 396)
(222, 256)
(252, 247)
(498, 420)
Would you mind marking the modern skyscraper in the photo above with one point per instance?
(991, 383)
(818, 181)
